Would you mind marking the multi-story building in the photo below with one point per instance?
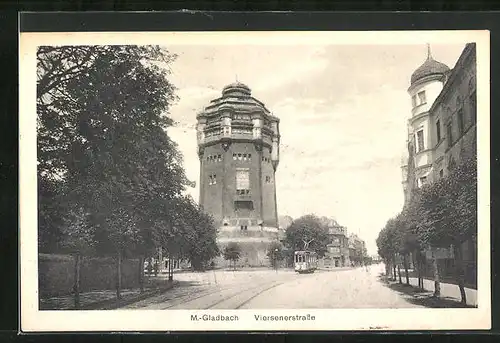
(337, 251)
(357, 249)
(442, 127)
(238, 148)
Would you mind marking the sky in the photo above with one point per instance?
(342, 110)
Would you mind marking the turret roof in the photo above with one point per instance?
(429, 67)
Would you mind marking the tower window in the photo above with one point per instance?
(240, 157)
(460, 121)
(249, 157)
(244, 157)
(268, 179)
(449, 135)
(420, 140)
(414, 101)
(212, 179)
(421, 98)
(438, 130)
(243, 205)
(219, 157)
(242, 182)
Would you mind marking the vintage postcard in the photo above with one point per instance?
(249, 181)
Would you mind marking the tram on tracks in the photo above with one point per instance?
(305, 261)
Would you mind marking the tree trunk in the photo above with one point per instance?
(399, 273)
(170, 269)
(405, 263)
(77, 280)
(118, 276)
(435, 267)
(387, 270)
(420, 266)
(460, 272)
(394, 268)
(141, 273)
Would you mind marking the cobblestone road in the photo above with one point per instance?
(353, 288)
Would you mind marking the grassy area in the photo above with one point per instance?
(103, 299)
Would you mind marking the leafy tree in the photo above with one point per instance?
(103, 148)
(308, 228)
(275, 253)
(101, 130)
(440, 215)
(387, 246)
(198, 242)
(463, 213)
(232, 253)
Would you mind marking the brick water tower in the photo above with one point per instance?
(238, 147)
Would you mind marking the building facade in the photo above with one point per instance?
(238, 148)
(442, 129)
(337, 251)
(442, 126)
(357, 250)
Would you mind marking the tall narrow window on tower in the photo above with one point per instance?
(438, 131)
(242, 181)
(460, 116)
(421, 98)
(414, 101)
(449, 135)
(420, 140)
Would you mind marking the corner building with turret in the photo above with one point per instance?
(238, 148)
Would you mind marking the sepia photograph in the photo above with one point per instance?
(254, 180)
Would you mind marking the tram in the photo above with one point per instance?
(305, 261)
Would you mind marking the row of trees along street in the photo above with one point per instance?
(110, 179)
(442, 214)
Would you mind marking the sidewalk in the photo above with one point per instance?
(448, 290)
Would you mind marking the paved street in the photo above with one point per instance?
(351, 288)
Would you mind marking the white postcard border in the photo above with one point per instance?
(180, 320)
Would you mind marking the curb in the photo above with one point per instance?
(113, 304)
